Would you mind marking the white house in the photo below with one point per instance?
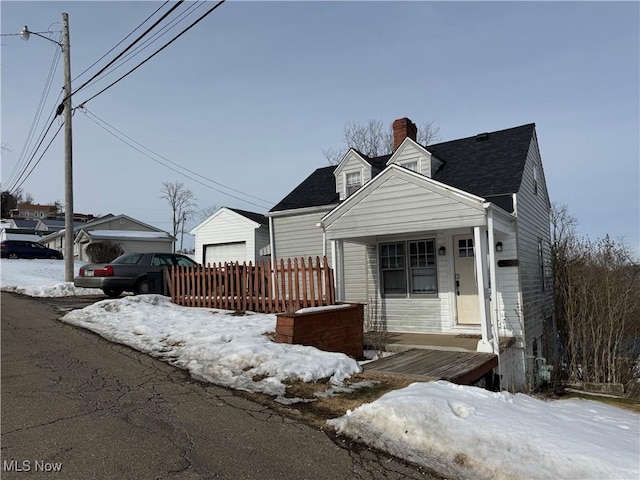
(451, 238)
(133, 235)
(231, 235)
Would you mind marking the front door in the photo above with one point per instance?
(466, 283)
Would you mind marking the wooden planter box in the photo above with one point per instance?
(331, 330)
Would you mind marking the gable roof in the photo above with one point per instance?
(256, 217)
(488, 165)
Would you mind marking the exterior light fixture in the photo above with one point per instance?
(499, 247)
(442, 250)
(24, 34)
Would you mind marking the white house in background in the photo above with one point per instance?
(451, 238)
(232, 235)
(133, 235)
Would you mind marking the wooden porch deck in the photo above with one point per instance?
(464, 368)
(432, 356)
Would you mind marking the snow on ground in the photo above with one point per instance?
(465, 432)
(40, 278)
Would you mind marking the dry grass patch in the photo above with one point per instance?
(324, 408)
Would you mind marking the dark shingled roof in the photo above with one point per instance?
(256, 217)
(488, 165)
(317, 189)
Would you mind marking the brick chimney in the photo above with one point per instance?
(403, 128)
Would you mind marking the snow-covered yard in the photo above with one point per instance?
(465, 432)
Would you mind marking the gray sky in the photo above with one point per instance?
(251, 96)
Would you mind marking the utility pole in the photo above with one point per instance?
(184, 219)
(68, 155)
(68, 150)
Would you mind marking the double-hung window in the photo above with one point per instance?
(408, 268)
(353, 182)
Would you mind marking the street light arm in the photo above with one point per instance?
(25, 33)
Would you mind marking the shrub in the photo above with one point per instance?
(104, 252)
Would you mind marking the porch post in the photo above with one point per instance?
(493, 281)
(337, 247)
(480, 241)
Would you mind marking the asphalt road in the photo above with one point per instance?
(75, 406)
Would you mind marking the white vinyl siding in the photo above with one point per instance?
(228, 227)
(414, 158)
(533, 227)
(414, 313)
(351, 164)
(298, 236)
(398, 205)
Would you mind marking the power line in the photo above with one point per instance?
(140, 37)
(121, 41)
(153, 39)
(17, 187)
(156, 52)
(37, 116)
(103, 124)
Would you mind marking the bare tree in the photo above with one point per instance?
(597, 301)
(206, 212)
(182, 202)
(373, 139)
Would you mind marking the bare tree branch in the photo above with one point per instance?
(182, 203)
(373, 139)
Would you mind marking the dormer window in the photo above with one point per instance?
(411, 165)
(353, 182)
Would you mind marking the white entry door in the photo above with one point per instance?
(466, 282)
(225, 252)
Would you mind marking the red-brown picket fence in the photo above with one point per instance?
(287, 287)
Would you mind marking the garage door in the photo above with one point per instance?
(225, 252)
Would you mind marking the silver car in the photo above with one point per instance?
(127, 273)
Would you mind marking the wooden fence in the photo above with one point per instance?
(287, 287)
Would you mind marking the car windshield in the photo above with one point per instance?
(129, 258)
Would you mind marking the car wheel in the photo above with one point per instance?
(53, 257)
(111, 292)
(142, 287)
(13, 255)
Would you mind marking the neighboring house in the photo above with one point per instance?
(232, 235)
(20, 229)
(25, 224)
(34, 211)
(133, 235)
(421, 236)
(50, 225)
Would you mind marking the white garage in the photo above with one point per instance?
(231, 235)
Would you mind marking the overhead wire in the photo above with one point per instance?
(202, 17)
(118, 134)
(148, 41)
(38, 115)
(140, 37)
(120, 42)
(15, 189)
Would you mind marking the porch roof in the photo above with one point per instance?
(401, 201)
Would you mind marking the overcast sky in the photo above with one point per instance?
(252, 95)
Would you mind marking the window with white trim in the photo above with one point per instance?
(411, 165)
(353, 182)
(535, 180)
(408, 267)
